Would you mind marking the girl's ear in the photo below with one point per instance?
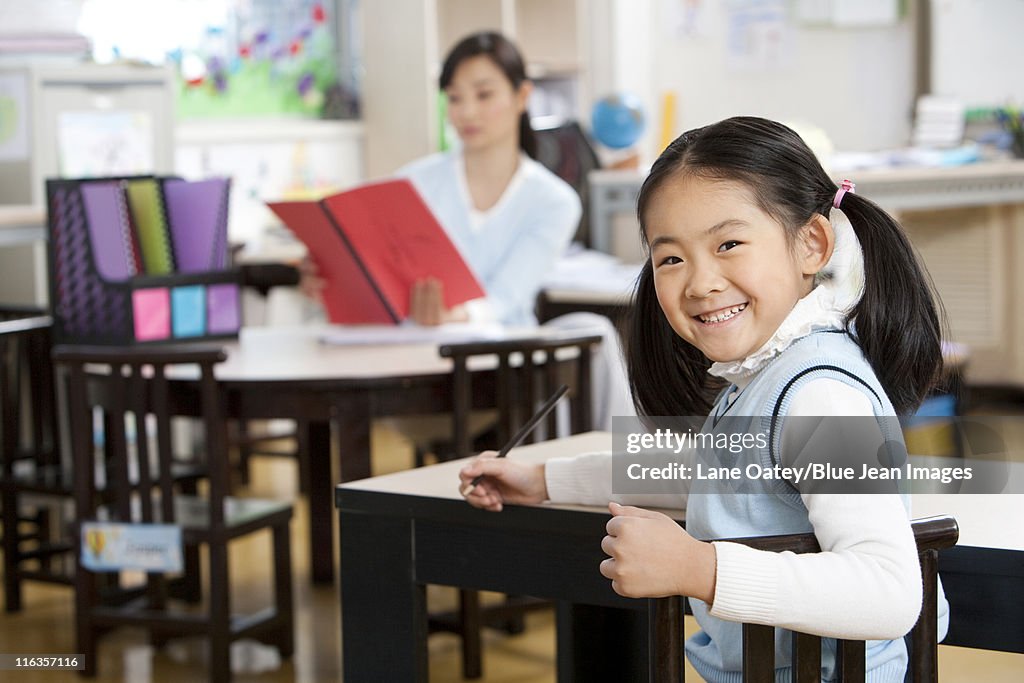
(523, 94)
(815, 244)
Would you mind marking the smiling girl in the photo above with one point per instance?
(771, 293)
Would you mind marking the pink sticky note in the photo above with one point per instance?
(152, 312)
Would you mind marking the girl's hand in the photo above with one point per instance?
(651, 556)
(505, 481)
(426, 304)
(310, 282)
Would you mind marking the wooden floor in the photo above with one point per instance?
(45, 624)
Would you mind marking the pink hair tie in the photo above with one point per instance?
(847, 186)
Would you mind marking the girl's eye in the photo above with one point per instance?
(453, 99)
(670, 261)
(484, 95)
(726, 246)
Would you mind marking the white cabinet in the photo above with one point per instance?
(405, 42)
(71, 121)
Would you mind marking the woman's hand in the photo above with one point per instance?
(505, 481)
(310, 282)
(426, 304)
(651, 556)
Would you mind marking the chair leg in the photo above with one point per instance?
(285, 640)
(86, 596)
(12, 583)
(469, 615)
(192, 579)
(242, 430)
(220, 613)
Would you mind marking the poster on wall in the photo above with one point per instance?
(105, 143)
(14, 117)
(759, 35)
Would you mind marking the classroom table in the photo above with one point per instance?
(402, 531)
(288, 372)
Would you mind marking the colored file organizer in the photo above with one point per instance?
(107, 236)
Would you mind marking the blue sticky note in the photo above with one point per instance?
(188, 311)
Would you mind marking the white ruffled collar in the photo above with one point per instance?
(840, 286)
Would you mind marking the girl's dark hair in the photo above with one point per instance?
(506, 57)
(895, 322)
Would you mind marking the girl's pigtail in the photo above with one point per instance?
(667, 375)
(896, 322)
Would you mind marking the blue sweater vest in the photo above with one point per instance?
(774, 506)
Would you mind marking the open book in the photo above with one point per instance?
(371, 244)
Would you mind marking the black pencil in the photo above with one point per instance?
(523, 431)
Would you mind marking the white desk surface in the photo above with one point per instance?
(990, 521)
(298, 353)
(442, 480)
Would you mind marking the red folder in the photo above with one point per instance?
(370, 244)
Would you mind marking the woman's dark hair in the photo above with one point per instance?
(506, 57)
(895, 322)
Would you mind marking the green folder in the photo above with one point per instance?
(146, 203)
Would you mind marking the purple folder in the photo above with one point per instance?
(198, 216)
(106, 214)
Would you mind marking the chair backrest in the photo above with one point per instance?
(932, 534)
(28, 416)
(528, 371)
(134, 476)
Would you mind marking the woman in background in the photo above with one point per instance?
(509, 216)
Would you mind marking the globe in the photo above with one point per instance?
(617, 120)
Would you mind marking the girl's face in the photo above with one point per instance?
(482, 104)
(725, 274)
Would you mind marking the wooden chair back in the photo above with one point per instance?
(931, 534)
(528, 372)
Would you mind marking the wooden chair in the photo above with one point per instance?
(932, 535)
(528, 371)
(35, 485)
(141, 488)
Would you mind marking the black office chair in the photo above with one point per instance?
(132, 481)
(565, 150)
(528, 371)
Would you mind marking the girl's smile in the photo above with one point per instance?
(722, 315)
(725, 272)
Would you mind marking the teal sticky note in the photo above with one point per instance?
(188, 311)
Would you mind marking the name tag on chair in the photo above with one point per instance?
(110, 547)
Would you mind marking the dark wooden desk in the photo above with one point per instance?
(404, 530)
